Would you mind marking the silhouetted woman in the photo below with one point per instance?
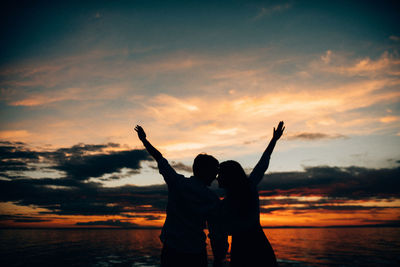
(241, 210)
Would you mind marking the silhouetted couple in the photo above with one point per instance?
(192, 205)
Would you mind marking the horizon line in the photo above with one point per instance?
(155, 228)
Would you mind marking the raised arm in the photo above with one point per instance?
(258, 172)
(169, 174)
(150, 148)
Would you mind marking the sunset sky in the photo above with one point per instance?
(204, 76)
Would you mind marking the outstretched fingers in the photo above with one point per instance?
(139, 129)
(141, 133)
(280, 125)
(279, 130)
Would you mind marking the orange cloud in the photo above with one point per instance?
(337, 63)
(389, 119)
(227, 97)
(14, 134)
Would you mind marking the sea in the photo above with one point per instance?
(141, 247)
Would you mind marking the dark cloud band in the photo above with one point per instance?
(75, 195)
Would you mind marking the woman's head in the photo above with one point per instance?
(231, 175)
(234, 180)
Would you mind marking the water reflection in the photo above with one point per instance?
(337, 246)
(102, 247)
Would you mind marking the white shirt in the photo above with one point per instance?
(190, 205)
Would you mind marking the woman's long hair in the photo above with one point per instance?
(233, 178)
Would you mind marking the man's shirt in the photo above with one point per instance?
(190, 205)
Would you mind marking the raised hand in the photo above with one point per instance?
(140, 132)
(279, 131)
(261, 167)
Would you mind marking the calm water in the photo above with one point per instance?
(293, 247)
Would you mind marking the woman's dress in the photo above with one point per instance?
(250, 247)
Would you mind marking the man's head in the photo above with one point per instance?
(205, 167)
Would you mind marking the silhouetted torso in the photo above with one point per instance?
(190, 204)
(250, 246)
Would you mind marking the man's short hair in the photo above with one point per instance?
(203, 164)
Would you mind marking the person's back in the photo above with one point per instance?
(240, 206)
(241, 211)
(191, 205)
(240, 214)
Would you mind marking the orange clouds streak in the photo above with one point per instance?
(322, 218)
(14, 135)
(314, 218)
(221, 101)
(23, 216)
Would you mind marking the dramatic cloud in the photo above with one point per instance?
(315, 136)
(30, 220)
(316, 188)
(84, 167)
(15, 157)
(15, 150)
(146, 217)
(179, 166)
(350, 182)
(81, 149)
(71, 197)
(79, 162)
(23, 219)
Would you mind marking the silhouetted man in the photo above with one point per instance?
(191, 204)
